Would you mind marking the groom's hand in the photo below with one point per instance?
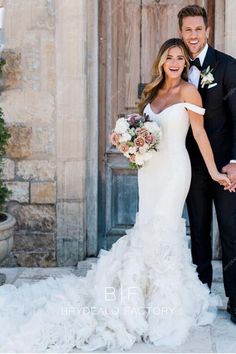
(230, 170)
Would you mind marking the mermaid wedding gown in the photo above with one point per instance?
(144, 289)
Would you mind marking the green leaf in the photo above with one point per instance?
(5, 193)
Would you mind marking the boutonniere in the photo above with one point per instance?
(207, 77)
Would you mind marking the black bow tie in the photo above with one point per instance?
(195, 62)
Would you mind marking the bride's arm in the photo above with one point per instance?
(191, 95)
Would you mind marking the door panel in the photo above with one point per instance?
(122, 205)
(120, 43)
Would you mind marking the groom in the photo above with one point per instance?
(219, 100)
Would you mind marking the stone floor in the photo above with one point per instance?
(220, 337)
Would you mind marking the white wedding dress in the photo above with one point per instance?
(144, 289)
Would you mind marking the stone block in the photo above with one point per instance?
(34, 241)
(71, 180)
(38, 170)
(43, 142)
(8, 172)
(28, 106)
(20, 191)
(71, 139)
(31, 60)
(70, 105)
(71, 36)
(43, 192)
(71, 233)
(71, 220)
(48, 66)
(12, 70)
(33, 217)
(20, 144)
(69, 252)
(43, 15)
(36, 259)
(33, 15)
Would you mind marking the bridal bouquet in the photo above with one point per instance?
(136, 137)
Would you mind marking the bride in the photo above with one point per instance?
(146, 287)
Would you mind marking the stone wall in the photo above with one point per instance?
(44, 101)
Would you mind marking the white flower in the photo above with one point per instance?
(143, 149)
(152, 127)
(207, 77)
(139, 159)
(121, 126)
(125, 137)
(132, 150)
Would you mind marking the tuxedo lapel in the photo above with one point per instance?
(210, 60)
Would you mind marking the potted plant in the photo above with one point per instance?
(7, 221)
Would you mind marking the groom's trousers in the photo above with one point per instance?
(203, 191)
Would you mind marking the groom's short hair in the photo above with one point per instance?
(192, 10)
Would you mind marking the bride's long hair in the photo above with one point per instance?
(158, 74)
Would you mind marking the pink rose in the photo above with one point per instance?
(139, 141)
(142, 132)
(132, 158)
(124, 148)
(115, 139)
(150, 139)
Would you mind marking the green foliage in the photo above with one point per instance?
(133, 166)
(2, 63)
(4, 137)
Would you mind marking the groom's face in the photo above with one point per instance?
(194, 34)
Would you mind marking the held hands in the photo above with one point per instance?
(222, 179)
(230, 170)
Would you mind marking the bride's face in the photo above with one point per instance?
(175, 63)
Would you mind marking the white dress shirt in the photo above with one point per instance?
(194, 73)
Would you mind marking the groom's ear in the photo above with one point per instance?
(180, 34)
(208, 30)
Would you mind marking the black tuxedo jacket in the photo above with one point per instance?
(220, 116)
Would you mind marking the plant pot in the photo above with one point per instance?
(7, 223)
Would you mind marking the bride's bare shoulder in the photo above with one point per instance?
(187, 86)
(189, 93)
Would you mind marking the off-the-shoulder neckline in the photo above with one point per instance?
(175, 104)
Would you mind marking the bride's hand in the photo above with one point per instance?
(222, 179)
